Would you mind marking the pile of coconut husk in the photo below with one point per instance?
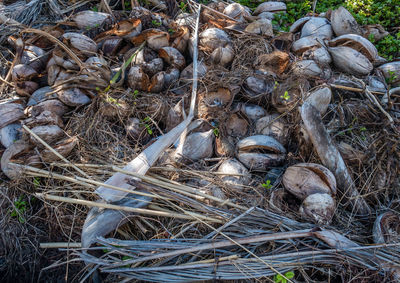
(198, 142)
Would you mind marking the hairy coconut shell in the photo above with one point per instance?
(173, 57)
(157, 82)
(305, 179)
(318, 208)
(275, 62)
(110, 45)
(137, 79)
(171, 75)
(236, 126)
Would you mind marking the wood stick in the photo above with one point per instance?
(124, 208)
(59, 245)
(221, 244)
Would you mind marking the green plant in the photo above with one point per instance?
(36, 182)
(95, 9)
(147, 126)
(127, 5)
(286, 96)
(156, 23)
(171, 31)
(216, 132)
(281, 279)
(183, 6)
(267, 185)
(19, 209)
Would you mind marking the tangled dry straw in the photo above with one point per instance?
(189, 232)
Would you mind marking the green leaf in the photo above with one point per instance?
(289, 274)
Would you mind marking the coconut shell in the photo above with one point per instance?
(80, 42)
(73, 97)
(343, 22)
(155, 39)
(261, 27)
(386, 228)
(350, 60)
(298, 24)
(10, 134)
(44, 118)
(391, 71)
(320, 99)
(35, 57)
(320, 55)
(173, 57)
(11, 171)
(89, 19)
(212, 38)
(270, 6)
(305, 43)
(236, 126)
(318, 208)
(23, 72)
(10, 112)
(198, 146)
(26, 88)
(181, 39)
(110, 45)
(307, 179)
(137, 79)
(52, 105)
(40, 95)
(260, 143)
(63, 147)
(358, 43)
(317, 26)
(223, 55)
(48, 133)
(309, 68)
(157, 83)
(256, 161)
(273, 126)
(237, 12)
(153, 67)
(231, 167)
